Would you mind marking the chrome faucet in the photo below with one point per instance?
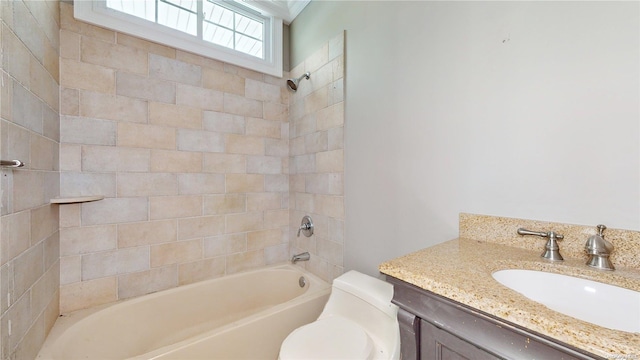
(551, 249)
(599, 250)
(300, 257)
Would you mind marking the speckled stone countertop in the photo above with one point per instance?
(461, 271)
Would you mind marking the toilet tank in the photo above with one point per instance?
(366, 301)
(374, 291)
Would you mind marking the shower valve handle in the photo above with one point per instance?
(306, 226)
(303, 227)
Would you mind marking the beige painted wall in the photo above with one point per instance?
(29, 131)
(516, 109)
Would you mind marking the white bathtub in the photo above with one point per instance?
(242, 316)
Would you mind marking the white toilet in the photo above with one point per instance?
(358, 322)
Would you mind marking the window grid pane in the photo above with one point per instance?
(145, 9)
(177, 18)
(189, 5)
(218, 35)
(248, 45)
(249, 27)
(218, 15)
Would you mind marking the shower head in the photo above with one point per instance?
(292, 84)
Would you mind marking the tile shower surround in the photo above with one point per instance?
(188, 152)
(195, 167)
(193, 156)
(29, 131)
(316, 158)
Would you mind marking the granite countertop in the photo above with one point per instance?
(461, 271)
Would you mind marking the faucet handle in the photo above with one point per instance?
(601, 228)
(303, 227)
(543, 234)
(551, 249)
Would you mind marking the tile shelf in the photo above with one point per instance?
(76, 199)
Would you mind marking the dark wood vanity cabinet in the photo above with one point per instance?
(434, 327)
(436, 343)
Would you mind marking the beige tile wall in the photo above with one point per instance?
(316, 127)
(29, 131)
(191, 154)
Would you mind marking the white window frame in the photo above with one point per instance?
(97, 13)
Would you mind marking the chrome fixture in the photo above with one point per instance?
(11, 163)
(292, 84)
(551, 249)
(300, 257)
(302, 281)
(599, 250)
(306, 226)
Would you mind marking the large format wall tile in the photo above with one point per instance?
(177, 143)
(316, 156)
(30, 132)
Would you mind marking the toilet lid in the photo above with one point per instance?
(328, 338)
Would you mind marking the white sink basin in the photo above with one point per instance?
(605, 305)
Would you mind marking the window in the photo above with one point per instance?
(224, 30)
(231, 29)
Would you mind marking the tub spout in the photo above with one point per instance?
(300, 257)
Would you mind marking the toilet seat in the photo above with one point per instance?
(333, 337)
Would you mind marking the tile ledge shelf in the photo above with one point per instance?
(76, 199)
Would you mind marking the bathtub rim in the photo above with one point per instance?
(154, 354)
(67, 320)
